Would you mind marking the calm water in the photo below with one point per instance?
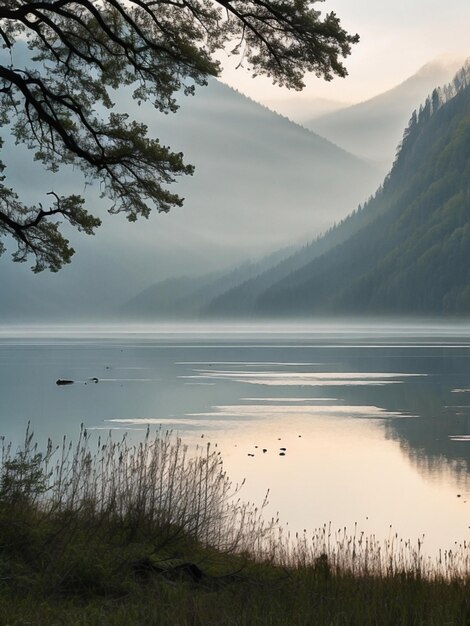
(375, 420)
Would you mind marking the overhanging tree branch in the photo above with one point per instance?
(83, 50)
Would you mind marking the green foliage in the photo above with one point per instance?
(81, 51)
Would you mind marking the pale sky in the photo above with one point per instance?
(397, 38)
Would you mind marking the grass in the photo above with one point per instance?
(150, 534)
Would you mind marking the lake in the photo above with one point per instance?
(374, 419)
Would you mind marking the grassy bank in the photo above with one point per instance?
(153, 535)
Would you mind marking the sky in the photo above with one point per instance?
(397, 38)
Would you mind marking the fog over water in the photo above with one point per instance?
(374, 418)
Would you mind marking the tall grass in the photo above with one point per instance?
(154, 487)
(161, 491)
(105, 532)
(357, 554)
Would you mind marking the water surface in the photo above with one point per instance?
(374, 419)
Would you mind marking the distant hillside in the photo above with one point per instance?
(241, 299)
(261, 183)
(260, 179)
(234, 292)
(413, 254)
(372, 129)
(185, 297)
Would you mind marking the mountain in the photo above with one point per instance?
(372, 129)
(186, 296)
(302, 109)
(411, 253)
(261, 183)
(241, 299)
(233, 293)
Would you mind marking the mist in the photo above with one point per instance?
(261, 183)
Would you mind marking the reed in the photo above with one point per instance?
(102, 531)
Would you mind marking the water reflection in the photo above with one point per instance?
(373, 428)
(285, 411)
(300, 379)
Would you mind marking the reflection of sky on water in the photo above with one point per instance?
(347, 473)
(376, 429)
(300, 379)
(286, 411)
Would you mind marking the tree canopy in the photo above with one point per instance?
(58, 99)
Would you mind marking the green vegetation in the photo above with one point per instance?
(154, 534)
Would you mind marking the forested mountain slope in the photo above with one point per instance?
(414, 255)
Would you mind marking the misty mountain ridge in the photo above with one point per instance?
(407, 250)
(254, 168)
(243, 299)
(186, 296)
(372, 129)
